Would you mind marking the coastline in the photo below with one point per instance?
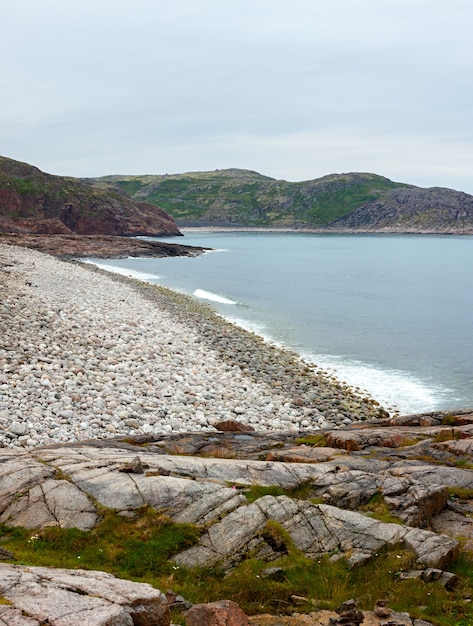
(90, 354)
(100, 246)
(323, 231)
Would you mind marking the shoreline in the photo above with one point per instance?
(320, 231)
(100, 246)
(90, 354)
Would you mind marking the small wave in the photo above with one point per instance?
(252, 327)
(213, 297)
(123, 271)
(394, 389)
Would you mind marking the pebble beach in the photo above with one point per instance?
(90, 355)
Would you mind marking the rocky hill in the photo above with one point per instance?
(355, 201)
(34, 202)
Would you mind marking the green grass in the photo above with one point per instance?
(132, 549)
(303, 491)
(244, 197)
(460, 493)
(376, 507)
(318, 441)
(141, 549)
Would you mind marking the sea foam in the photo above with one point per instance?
(213, 297)
(123, 271)
(394, 389)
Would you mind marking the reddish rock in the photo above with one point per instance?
(32, 201)
(101, 246)
(221, 613)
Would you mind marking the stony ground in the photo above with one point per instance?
(85, 354)
(121, 395)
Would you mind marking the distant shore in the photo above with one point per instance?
(319, 231)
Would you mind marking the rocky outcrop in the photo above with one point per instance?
(60, 597)
(70, 486)
(63, 485)
(99, 246)
(34, 202)
(315, 529)
(413, 209)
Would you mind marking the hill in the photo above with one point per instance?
(354, 201)
(32, 201)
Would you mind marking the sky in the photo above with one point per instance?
(292, 89)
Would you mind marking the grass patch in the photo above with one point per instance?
(447, 435)
(460, 493)
(303, 491)
(409, 441)
(140, 549)
(327, 584)
(376, 507)
(316, 441)
(462, 463)
(135, 549)
(450, 420)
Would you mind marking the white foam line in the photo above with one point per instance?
(123, 271)
(392, 388)
(213, 297)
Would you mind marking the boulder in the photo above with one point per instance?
(221, 613)
(62, 597)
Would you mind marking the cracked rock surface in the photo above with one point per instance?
(61, 597)
(63, 485)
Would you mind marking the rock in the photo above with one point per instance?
(135, 466)
(233, 426)
(63, 597)
(18, 428)
(223, 612)
(52, 503)
(381, 609)
(274, 573)
(418, 504)
(348, 614)
(314, 529)
(72, 206)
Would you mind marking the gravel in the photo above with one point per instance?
(86, 354)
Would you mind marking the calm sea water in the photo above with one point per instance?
(391, 314)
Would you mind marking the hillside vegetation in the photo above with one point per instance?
(32, 201)
(354, 201)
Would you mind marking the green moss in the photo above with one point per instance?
(318, 441)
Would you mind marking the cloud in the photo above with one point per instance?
(127, 87)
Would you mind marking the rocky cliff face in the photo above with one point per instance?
(433, 210)
(34, 202)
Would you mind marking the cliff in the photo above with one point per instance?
(32, 201)
(355, 201)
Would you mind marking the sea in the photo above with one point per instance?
(389, 314)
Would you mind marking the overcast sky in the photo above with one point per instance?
(293, 89)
